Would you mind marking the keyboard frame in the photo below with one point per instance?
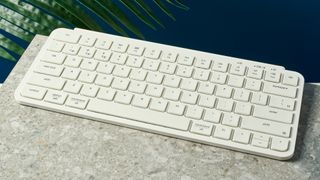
(228, 144)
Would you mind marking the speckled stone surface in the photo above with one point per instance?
(38, 144)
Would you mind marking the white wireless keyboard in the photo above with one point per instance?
(207, 98)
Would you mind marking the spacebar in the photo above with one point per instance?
(137, 114)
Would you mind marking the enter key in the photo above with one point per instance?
(274, 114)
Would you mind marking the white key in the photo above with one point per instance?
(185, 59)
(260, 140)
(290, 79)
(89, 90)
(207, 101)
(70, 73)
(243, 108)
(137, 87)
(71, 49)
(282, 102)
(189, 84)
(169, 56)
(212, 115)
(225, 105)
(56, 46)
(46, 81)
(230, 119)
(272, 76)
(138, 114)
(119, 47)
(200, 127)
(53, 57)
(49, 69)
(103, 80)
(103, 44)
(73, 61)
(120, 83)
(241, 95)
(220, 66)
(194, 112)
(33, 92)
(281, 90)
(134, 61)
(172, 81)
(219, 78)
(67, 36)
(87, 76)
(150, 64)
(152, 53)
(72, 87)
(253, 84)
(172, 94)
(222, 132)
(237, 69)
(203, 63)
(121, 71)
(102, 55)
(265, 126)
(224, 91)
(118, 58)
(154, 77)
(259, 98)
(154, 90)
(158, 105)
(176, 108)
(168, 68)
(141, 101)
(87, 41)
(55, 97)
(273, 114)
(235, 81)
(241, 136)
(123, 98)
(206, 88)
(135, 50)
(106, 94)
(184, 71)
(86, 52)
(279, 144)
(201, 74)
(138, 74)
(189, 97)
(255, 73)
(76, 101)
(89, 64)
(105, 68)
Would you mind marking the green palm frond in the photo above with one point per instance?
(25, 18)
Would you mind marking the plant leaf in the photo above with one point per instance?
(133, 8)
(164, 8)
(11, 45)
(179, 4)
(15, 30)
(149, 11)
(5, 55)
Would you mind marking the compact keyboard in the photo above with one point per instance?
(227, 102)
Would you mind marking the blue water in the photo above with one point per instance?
(286, 33)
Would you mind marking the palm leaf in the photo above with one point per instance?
(25, 18)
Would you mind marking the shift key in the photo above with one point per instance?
(46, 81)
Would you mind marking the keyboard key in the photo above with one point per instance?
(67, 36)
(56, 46)
(150, 64)
(235, 81)
(241, 95)
(104, 80)
(87, 76)
(119, 47)
(138, 74)
(241, 136)
(243, 108)
(220, 66)
(237, 69)
(224, 91)
(259, 98)
(135, 50)
(172, 94)
(87, 52)
(253, 84)
(138, 114)
(219, 78)
(158, 105)
(222, 132)
(73, 61)
(273, 114)
(137, 87)
(290, 79)
(194, 112)
(134, 61)
(212, 115)
(189, 84)
(279, 144)
(102, 55)
(200, 74)
(231, 120)
(203, 63)
(282, 102)
(272, 76)
(255, 73)
(280, 90)
(260, 140)
(172, 81)
(200, 127)
(106, 94)
(121, 71)
(123, 98)
(46, 81)
(206, 88)
(154, 90)
(56, 97)
(152, 53)
(76, 101)
(168, 68)
(184, 71)
(71, 49)
(169, 56)
(87, 41)
(89, 90)
(141, 101)
(53, 57)
(207, 101)
(120, 83)
(265, 126)
(185, 59)
(70, 73)
(225, 105)
(49, 69)
(72, 87)
(176, 108)
(189, 97)
(105, 68)
(103, 44)
(154, 78)
(89, 64)
(118, 58)
(33, 92)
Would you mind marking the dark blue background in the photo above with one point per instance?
(286, 33)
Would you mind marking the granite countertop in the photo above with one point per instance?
(39, 144)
